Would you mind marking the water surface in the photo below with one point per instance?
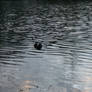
(65, 62)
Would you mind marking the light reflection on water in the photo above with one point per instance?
(64, 63)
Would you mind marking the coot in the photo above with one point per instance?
(38, 45)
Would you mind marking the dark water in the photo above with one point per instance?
(65, 62)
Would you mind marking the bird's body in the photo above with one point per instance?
(38, 45)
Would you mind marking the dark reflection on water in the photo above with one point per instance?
(63, 65)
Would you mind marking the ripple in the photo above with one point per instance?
(63, 64)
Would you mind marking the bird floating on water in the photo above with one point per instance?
(38, 45)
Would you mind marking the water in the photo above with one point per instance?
(63, 65)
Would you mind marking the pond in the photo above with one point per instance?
(65, 62)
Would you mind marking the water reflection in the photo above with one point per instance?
(64, 63)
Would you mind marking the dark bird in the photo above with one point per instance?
(38, 45)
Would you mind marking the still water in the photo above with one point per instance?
(65, 62)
